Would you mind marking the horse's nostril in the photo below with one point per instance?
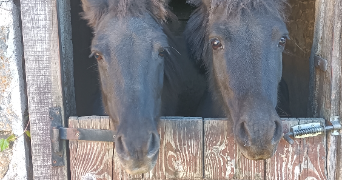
(243, 134)
(120, 146)
(153, 145)
(278, 132)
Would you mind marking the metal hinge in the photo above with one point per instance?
(312, 129)
(59, 134)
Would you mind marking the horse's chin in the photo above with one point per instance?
(141, 166)
(253, 154)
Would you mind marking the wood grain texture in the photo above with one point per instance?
(312, 154)
(305, 159)
(249, 169)
(186, 142)
(90, 160)
(326, 85)
(219, 149)
(46, 87)
(181, 148)
(284, 165)
(180, 154)
(222, 157)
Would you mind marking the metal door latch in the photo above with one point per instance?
(312, 129)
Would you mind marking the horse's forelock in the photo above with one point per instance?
(95, 10)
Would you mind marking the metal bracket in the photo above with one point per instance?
(335, 122)
(57, 154)
(321, 63)
(86, 134)
(59, 134)
(312, 129)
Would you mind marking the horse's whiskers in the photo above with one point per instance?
(174, 49)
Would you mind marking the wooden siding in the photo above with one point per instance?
(325, 86)
(49, 72)
(192, 148)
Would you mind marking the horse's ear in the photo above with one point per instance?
(94, 10)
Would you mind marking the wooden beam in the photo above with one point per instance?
(48, 65)
(325, 86)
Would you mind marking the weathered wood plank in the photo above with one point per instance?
(312, 154)
(284, 165)
(219, 149)
(181, 148)
(326, 85)
(222, 157)
(180, 154)
(90, 160)
(305, 159)
(249, 169)
(48, 84)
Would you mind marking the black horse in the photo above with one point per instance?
(142, 72)
(240, 42)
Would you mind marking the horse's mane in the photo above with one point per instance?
(196, 29)
(94, 10)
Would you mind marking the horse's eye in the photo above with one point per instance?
(282, 42)
(162, 52)
(216, 44)
(98, 56)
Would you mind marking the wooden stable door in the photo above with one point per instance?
(193, 148)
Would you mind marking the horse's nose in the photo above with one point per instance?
(137, 148)
(258, 140)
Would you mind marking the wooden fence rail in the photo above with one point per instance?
(193, 148)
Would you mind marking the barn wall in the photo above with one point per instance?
(14, 162)
(296, 70)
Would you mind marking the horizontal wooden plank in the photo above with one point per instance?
(304, 159)
(180, 154)
(192, 148)
(219, 150)
(221, 155)
(88, 159)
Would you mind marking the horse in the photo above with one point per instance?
(141, 73)
(240, 44)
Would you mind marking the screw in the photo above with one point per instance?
(77, 134)
(57, 112)
(54, 161)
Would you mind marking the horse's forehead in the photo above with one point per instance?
(248, 25)
(136, 24)
(112, 31)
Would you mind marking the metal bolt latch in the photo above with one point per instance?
(312, 129)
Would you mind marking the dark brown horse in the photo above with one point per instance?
(241, 44)
(141, 73)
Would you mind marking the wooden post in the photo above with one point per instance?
(325, 86)
(49, 72)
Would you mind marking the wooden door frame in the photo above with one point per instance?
(325, 86)
(48, 53)
(46, 29)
